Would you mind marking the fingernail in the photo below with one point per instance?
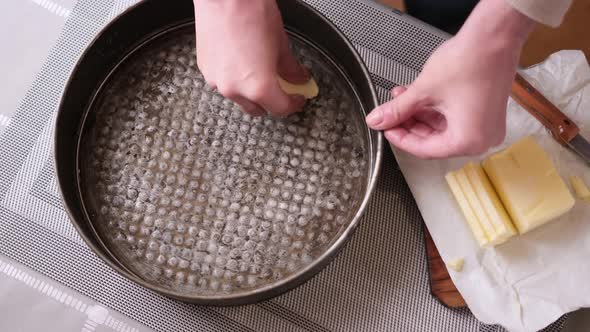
(375, 118)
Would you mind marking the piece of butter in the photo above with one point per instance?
(580, 188)
(456, 264)
(308, 90)
(480, 205)
(528, 184)
(467, 210)
(490, 201)
(476, 205)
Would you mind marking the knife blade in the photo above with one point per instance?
(562, 128)
(580, 145)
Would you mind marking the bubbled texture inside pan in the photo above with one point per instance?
(192, 194)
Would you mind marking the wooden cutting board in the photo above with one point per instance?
(441, 285)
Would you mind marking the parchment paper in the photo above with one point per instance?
(531, 280)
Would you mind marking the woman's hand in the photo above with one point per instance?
(457, 105)
(241, 49)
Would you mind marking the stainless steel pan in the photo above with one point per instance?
(177, 190)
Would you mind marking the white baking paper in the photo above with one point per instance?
(531, 280)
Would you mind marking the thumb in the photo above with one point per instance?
(288, 67)
(396, 111)
(433, 146)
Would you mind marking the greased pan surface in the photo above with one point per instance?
(178, 190)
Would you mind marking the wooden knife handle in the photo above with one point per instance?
(561, 127)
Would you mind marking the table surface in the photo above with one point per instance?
(29, 300)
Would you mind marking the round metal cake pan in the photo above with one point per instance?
(124, 35)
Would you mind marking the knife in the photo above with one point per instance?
(563, 129)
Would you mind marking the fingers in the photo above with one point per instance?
(249, 107)
(261, 95)
(422, 134)
(288, 67)
(430, 146)
(259, 92)
(395, 112)
(434, 119)
(274, 100)
(424, 141)
(417, 127)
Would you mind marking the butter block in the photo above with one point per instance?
(309, 89)
(456, 264)
(528, 184)
(467, 210)
(476, 205)
(493, 208)
(580, 188)
(481, 205)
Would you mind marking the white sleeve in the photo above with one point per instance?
(548, 12)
